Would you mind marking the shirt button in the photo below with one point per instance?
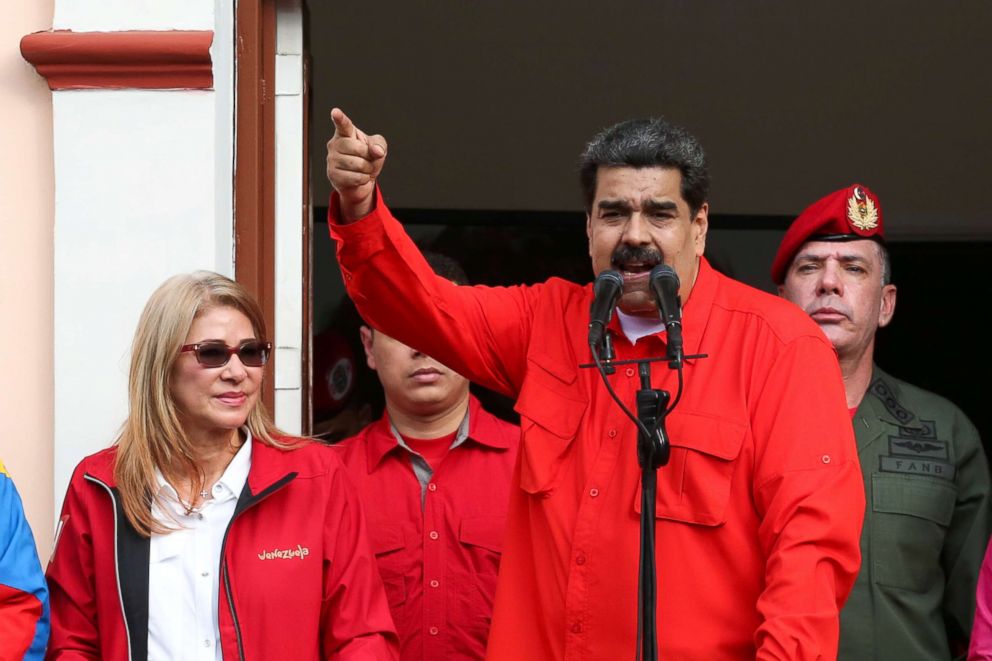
(206, 643)
(217, 488)
(433, 534)
(576, 628)
(433, 631)
(612, 433)
(593, 492)
(629, 371)
(432, 487)
(205, 573)
(580, 559)
(435, 583)
(825, 458)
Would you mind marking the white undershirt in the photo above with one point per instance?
(184, 572)
(635, 327)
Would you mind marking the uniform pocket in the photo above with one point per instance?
(551, 411)
(695, 485)
(910, 515)
(388, 544)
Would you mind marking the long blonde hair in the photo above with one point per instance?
(153, 436)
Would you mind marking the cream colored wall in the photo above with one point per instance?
(26, 268)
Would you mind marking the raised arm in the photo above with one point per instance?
(481, 332)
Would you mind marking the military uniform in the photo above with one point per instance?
(926, 526)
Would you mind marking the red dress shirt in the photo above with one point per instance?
(759, 510)
(438, 545)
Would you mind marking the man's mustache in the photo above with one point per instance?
(625, 254)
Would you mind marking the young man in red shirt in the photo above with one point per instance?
(434, 475)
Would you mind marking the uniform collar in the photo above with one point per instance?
(881, 401)
(481, 428)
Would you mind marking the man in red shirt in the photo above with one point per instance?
(434, 477)
(759, 509)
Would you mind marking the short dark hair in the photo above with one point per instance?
(644, 143)
(883, 253)
(446, 267)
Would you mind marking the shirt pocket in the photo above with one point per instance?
(472, 582)
(551, 411)
(389, 545)
(695, 485)
(482, 538)
(910, 515)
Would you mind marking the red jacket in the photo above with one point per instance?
(438, 549)
(325, 601)
(759, 510)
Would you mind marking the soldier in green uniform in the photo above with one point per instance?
(926, 477)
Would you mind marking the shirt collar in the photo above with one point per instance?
(477, 426)
(695, 310)
(236, 473)
(234, 476)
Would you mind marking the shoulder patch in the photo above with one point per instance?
(881, 390)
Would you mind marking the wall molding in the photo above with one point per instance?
(138, 59)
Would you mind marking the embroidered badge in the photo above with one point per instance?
(284, 554)
(926, 429)
(939, 469)
(861, 211)
(895, 409)
(917, 447)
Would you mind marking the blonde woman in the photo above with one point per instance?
(204, 533)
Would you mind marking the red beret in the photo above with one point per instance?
(846, 215)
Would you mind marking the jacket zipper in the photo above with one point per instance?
(227, 578)
(117, 570)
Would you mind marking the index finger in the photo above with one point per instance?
(343, 126)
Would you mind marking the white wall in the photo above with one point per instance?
(143, 183)
(114, 15)
(289, 230)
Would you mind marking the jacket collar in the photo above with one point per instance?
(268, 464)
(482, 429)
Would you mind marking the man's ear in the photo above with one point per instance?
(368, 340)
(589, 231)
(888, 307)
(700, 225)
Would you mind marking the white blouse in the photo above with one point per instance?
(184, 573)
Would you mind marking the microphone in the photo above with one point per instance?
(664, 282)
(605, 294)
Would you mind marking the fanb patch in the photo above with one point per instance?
(929, 467)
(923, 448)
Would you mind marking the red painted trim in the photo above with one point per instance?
(69, 60)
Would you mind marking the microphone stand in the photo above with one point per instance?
(653, 452)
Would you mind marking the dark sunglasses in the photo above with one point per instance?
(253, 353)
